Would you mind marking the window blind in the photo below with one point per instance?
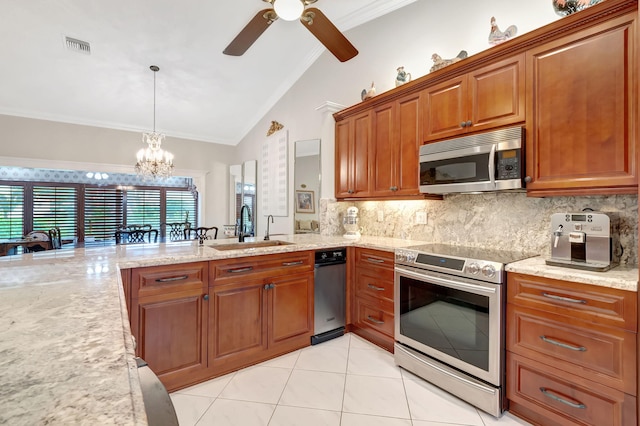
(181, 207)
(103, 213)
(143, 207)
(11, 211)
(55, 206)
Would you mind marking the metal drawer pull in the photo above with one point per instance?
(564, 299)
(168, 280)
(299, 262)
(545, 392)
(563, 345)
(373, 260)
(373, 287)
(373, 320)
(235, 271)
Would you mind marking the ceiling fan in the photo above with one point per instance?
(290, 10)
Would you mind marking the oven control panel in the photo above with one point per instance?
(484, 270)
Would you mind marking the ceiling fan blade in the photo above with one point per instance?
(321, 27)
(251, 32)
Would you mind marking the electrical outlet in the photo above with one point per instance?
(380, 215)
(421, 218)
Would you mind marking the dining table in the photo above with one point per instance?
(6, 245)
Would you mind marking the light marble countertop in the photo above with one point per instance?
(619, 277)
(66, 355)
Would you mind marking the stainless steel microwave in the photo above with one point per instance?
(491, 161)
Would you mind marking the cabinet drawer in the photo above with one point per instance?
(592, 351)
(158, 280)
(600, 305)
(374, 283)
(565, 399)
(376, 258)
(227, 271)
(371, 316)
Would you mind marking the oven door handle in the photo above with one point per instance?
(458, 285)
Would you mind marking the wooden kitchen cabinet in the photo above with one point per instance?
(396, 140)
(571, 352)
(169, 311)
(372, 296)
(353, 147)
(489, 97)
(262, 307)
(582, 112)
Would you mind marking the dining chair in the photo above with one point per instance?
(55, 237)
(40, 236)
(136, 236)
(134, 227)
(201, 233)
(174, 231)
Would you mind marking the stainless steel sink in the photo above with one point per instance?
(250, 245)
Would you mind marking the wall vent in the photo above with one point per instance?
(77, 45)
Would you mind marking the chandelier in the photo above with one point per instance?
(153, 161)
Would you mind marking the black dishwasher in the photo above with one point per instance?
(329, 294)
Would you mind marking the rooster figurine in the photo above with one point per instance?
(496, 36)
(368, 94)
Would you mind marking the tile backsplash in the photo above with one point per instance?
(498, 220)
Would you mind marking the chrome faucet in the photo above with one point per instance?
(241, 232)
(266, 236)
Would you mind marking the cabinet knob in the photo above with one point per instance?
(350, 191)
(468, 123)
(463, 124)
(393, 188)
(528, 179)
(205, 297)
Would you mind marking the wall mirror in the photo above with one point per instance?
(306, 187)
(243, 181)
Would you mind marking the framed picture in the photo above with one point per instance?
(305, 202)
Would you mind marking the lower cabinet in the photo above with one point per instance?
(169, 311)
(257, 319)
(196, 321)
(372, 290)
(571, 352)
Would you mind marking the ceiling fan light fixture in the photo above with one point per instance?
(289, 10)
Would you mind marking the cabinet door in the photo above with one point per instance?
(582, 112)
(290, 301)
(497, 94)
(385, 146)
(171, 332)
(445, 109)
(353, 145)
(408, 133)
(238, 328)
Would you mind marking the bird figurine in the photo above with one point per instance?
(496, 36)
(439, 63)
(368, 93)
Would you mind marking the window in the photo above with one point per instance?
(143, 207)
(55, 206)
(102, 213)
(11, 211)
(181, 207)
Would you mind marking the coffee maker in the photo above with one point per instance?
(585, 240)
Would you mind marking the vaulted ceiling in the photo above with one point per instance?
(201, 94)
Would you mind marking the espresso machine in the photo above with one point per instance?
(585, 240)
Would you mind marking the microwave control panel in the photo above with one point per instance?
(509, 164)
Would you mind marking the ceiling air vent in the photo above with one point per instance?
(77, 45)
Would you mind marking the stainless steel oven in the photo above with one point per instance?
(449, 320)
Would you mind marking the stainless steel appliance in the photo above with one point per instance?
(490, 161)
(585, 240)
(449, 319)
(329, 294)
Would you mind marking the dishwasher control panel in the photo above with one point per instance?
(338, 255)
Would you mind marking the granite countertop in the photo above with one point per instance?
(66, 354)
(619, 277)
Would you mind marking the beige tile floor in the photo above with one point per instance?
(343, 382)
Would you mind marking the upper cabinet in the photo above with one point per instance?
(396, 141)
(485, 98)
(581, 115)
(353, 145)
